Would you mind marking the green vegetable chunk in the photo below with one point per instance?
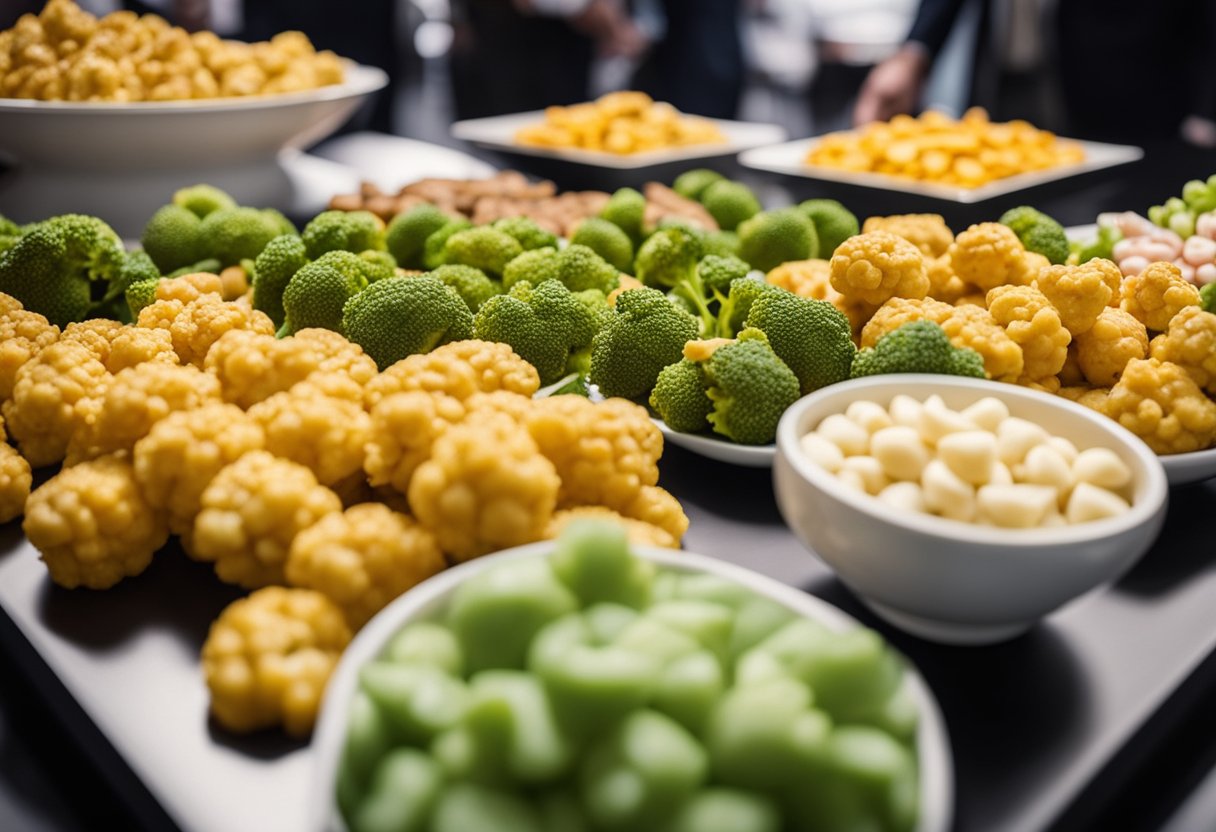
(171, 238)
(833, 223)
(427, 643)
(812, 337)
(917, 347)
(404, 789)
(273, 269)
(594, 561)
(406, 235)
(679, 396)
(544, 324)
(352, 231)
(727, 810)
(403, 316)
(1038, 232)
(473, 286)
(750, 388)
(774, 237)
(419, 701)
(526, 232)
(231, 235)
(1207, 297)
(689, 688)
(730, 203)
(316, 294)
(691, 184)
(202, 200)
(607, 240)
(512, 722)
(482, 248)
(626, 209)
(645, 334)
(368, 738)
(465, 807)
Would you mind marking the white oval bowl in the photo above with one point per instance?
(1184, 469)
(720, 450)
(428, 598)
(946, 580)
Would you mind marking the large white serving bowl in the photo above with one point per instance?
(428, 598)
(122, 161)
(950, 581)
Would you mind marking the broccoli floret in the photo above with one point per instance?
(774, 237)
(343, 231)
(231, 235)
(668, 259)
(833, 223)
(356, 266)
(471, 284)
(402, 316)
(721, 243)
(172, 239)
(526, 232)
(482, 248)
(736, 305)
(644, 335)
(1038, 232)
(750, 387)
(626, 209)
(201, 200)
(272, 271)
(316, 294)
(284, 225)
(680, 397)
(381, 264)
(137, 266)
(434, 249)
(141, 293)
(918, 347)
(10, 233)
(407, 233)
(580, 268)
(534, 266)
(1207, 297)
(718, 273)
(812, 337)
(1102, 245)
(210, 265)
(691, 184)
(730, 203)
(607, 240)
(543, 324)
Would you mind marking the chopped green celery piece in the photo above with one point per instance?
(368, 737)
(561, 811)
(708, 622)
(705, 587)
(466, 807)
(606, 621)
(427, 643)
(727, 810)
(899, 716)
(654, 638)
(689, 688)
(665, 587)
(511, 719)
(404, 788)
(755, 621)
(419, 701)
(757, 667)
(593, 559)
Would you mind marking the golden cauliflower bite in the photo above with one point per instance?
(404, 426)
(188, 287)
(23, 335)
(1159, 402)
(656, 506)
(928, 232)
(806, 278)
(323, 433)
(363, 558)
(8, 303)
(1190, 342)
(1157, 294)
(988, 255)
(1092, 397)
(1080, 293)
(268, 657)
(196, 325)
(459, 370)
(944, 284)
(252, 511)
(899, 311)
(92, 525)
(119, 346)
(486, 487)
(134, 401)
(1105, 348)
(872, 268)
(639, 533)
(1034, 325)
(178, 458)
(16, 478)
(55, 395)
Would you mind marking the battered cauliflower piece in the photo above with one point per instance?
(928, 232)
(1190, 341)
(1157, 294)
(269, 656)
(899, 311)
(363, 558)
(55, 395)
(944, 284)
(1092, 397)
(988, 255)
(1080, 293)
(871, 268)
(1159, 402)
(135, 400)
(404, 426)
(196, 325)
(323, 433)
(459, 370)
(8, 303)
(92, 525)
(23, 335)
(486, 487)
(134, 346)
(1070, 374)
(1034, 325)
(178, 458)
(252, 511)
(1104, 349)
(806, 278)
(15, 481)
(95, 333)
(188, 287)
(638, 532)
(659, 508)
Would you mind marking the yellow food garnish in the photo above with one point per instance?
(621, 123)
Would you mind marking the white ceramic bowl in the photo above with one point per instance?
(950, 581)
(1183, 469)
(429, 597)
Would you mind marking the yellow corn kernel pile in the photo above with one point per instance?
(619, 122)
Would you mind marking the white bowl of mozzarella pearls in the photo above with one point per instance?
(963, 510)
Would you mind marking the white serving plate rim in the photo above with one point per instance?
(721, 450)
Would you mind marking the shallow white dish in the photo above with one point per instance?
(790, 158)
(721, 450)
(498, 132)
(1183, 469)
(933, 744)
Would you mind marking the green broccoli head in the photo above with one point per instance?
(730, 203)
(172, 239)
(343, 231)
(680, 397)
(526, 232)
(607, 240)
(201, 200)
(141, 293)
(833, 223)
(317, 293)
(482, 248)
(231, 235)
(626, 209)
(381, 264)
(407, 233)
(645, 334)
(471, 284)
(718, 272)
(272, 271)
(544, 324)
(357, 267)
(403, 316)
(750, 387)
(721, 243)
(580, 268)
(1207, 297)
(1038, 232)
(917, 347)
(1102, 245)
(535, 266)
(737, 305)
(434, 250)
(10, 233)
(774, 237)
(812, 337)
(284, 225)
(137, 267)
(668, 258)
(691, 184)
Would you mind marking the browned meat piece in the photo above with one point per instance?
(672, 204)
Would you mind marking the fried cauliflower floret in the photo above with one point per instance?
(134, 346)
(638, 532)
(1159, 402)
(23, 335)
(95, 333)
(252, 511)
(135, 400)
(807, 278)
(1070, 374)
(196, 325)
(54, 395)
(188, 287)
(658, 507)
(363, 558)
(92, 525)
(15, 481)
(1157, 294)
(1190, 341)
(1092, 397)
(899, 311)
(404, 426)
(459, 370)
(1080, 293)
(871, 268)
(1034, 325)
(928, 232)
(178, 458)
(988, 255)
(944, 284)
(1104, 349)
(269, 656)
(8, 303)
(323, 433)
(486, 486)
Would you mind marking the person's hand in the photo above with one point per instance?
(1199, 131)
(894, 86)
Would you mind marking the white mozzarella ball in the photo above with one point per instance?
(824, 453)
(987, 413)
(1001, 474)
(937, 420)
(1015, 437)
(905, 411)
(947, 494)
(1017, 506)
(846, 434)
(904, 495)
(870, 470)
(1064, 448)
(1044, 465)
(970, 454)
(1089, 502)
(900, 451)
(1101, 467)
(870, 415)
